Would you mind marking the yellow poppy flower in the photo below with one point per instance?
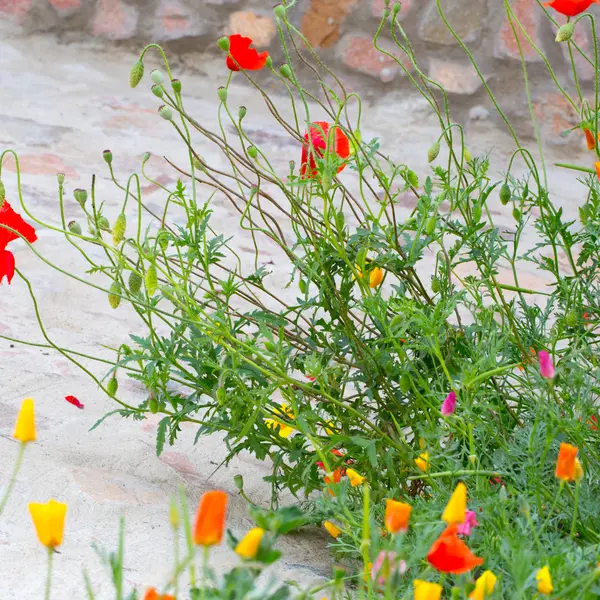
(354, 477)
(484, 586)
(248, 546)
(283, 430)
(456, 509)
(333, 530)
(544, 581)
(423, 461)
(49, 521)
(424, 590)
(25, 425)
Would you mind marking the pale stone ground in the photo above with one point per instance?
(60, 106)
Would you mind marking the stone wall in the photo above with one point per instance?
(343, 30)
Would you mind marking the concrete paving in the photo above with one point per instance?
(61, 105)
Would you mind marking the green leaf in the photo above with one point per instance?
(161, 434)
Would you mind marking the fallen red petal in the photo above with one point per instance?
(72, 400)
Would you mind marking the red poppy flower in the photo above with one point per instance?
(11, 219)
(593, 423)
(319, 132)
(246, 58)
(449, 554)
(570, 8)
(72, 400)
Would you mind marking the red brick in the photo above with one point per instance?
(529, 15)
(15, 8)
(455, 76)
(360, 55)
(322, 20)
(114, 20)
(555, 116)
(259, 28)
(65, 8)
(174, 20)
(377, 7)
(42, 164)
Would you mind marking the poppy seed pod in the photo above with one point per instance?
(285, 71)
(157, 77)
(239, 481)
(242, 112)
(269, 62)
(280, 11)
(107, 156)
(222, 93)
(146, 157)
(136, 74)
(60, 177)
(81, 196)
(176, 85)
(165, 112)
(157, 91)
(252, 151)
(74, 227)
(103, 224)
(223, 43)
(114, 295)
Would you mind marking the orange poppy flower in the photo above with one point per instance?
(397, 515)
(570, 8)
(210, 518)
(449, 554)
(589, 138)
(319, 132)
(566, 465)
(152, 594)
(334, 477)
(597, 165)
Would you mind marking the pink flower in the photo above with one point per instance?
(470, 522)
(546, 366)
(386, 565)
(449, 404)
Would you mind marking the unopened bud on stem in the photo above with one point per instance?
(433, 152)
(74, 227)
(222, 93)
(81, 196)
(136, 74)
(280, 11)
(565, 33)
(223, 43)
(60, 177)
(176, 85)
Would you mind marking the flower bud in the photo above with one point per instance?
(223, 43)
(292, 165)
(430, 225)
(285, 71)
(74, 227)
(60, 177)
(516, 214)
(412, 178)
(435, 285)
(151, 280)
(176, 85)
(280, 11)
(565, 33)
(503, 494)
(103, 224)
(222, 93)
(153, 405)
(114, 295)
(242, 112)
(157, 91)
(252, 151)
(467, 155)
(165, 112)
(118, 230)
(174, 514)
(269, 62)
(505, 194)
(239, 482)
(433, 152)
(163, 237)
(81, 196)
(157, 77)
(134, 282)
(396, 9)
(476, 212)
(112, 386)
(472, 459)
(136, 74)
(146, 157)
(572, 318)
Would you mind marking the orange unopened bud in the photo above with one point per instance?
(210, 519)
(597, 165)
(589, 139)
